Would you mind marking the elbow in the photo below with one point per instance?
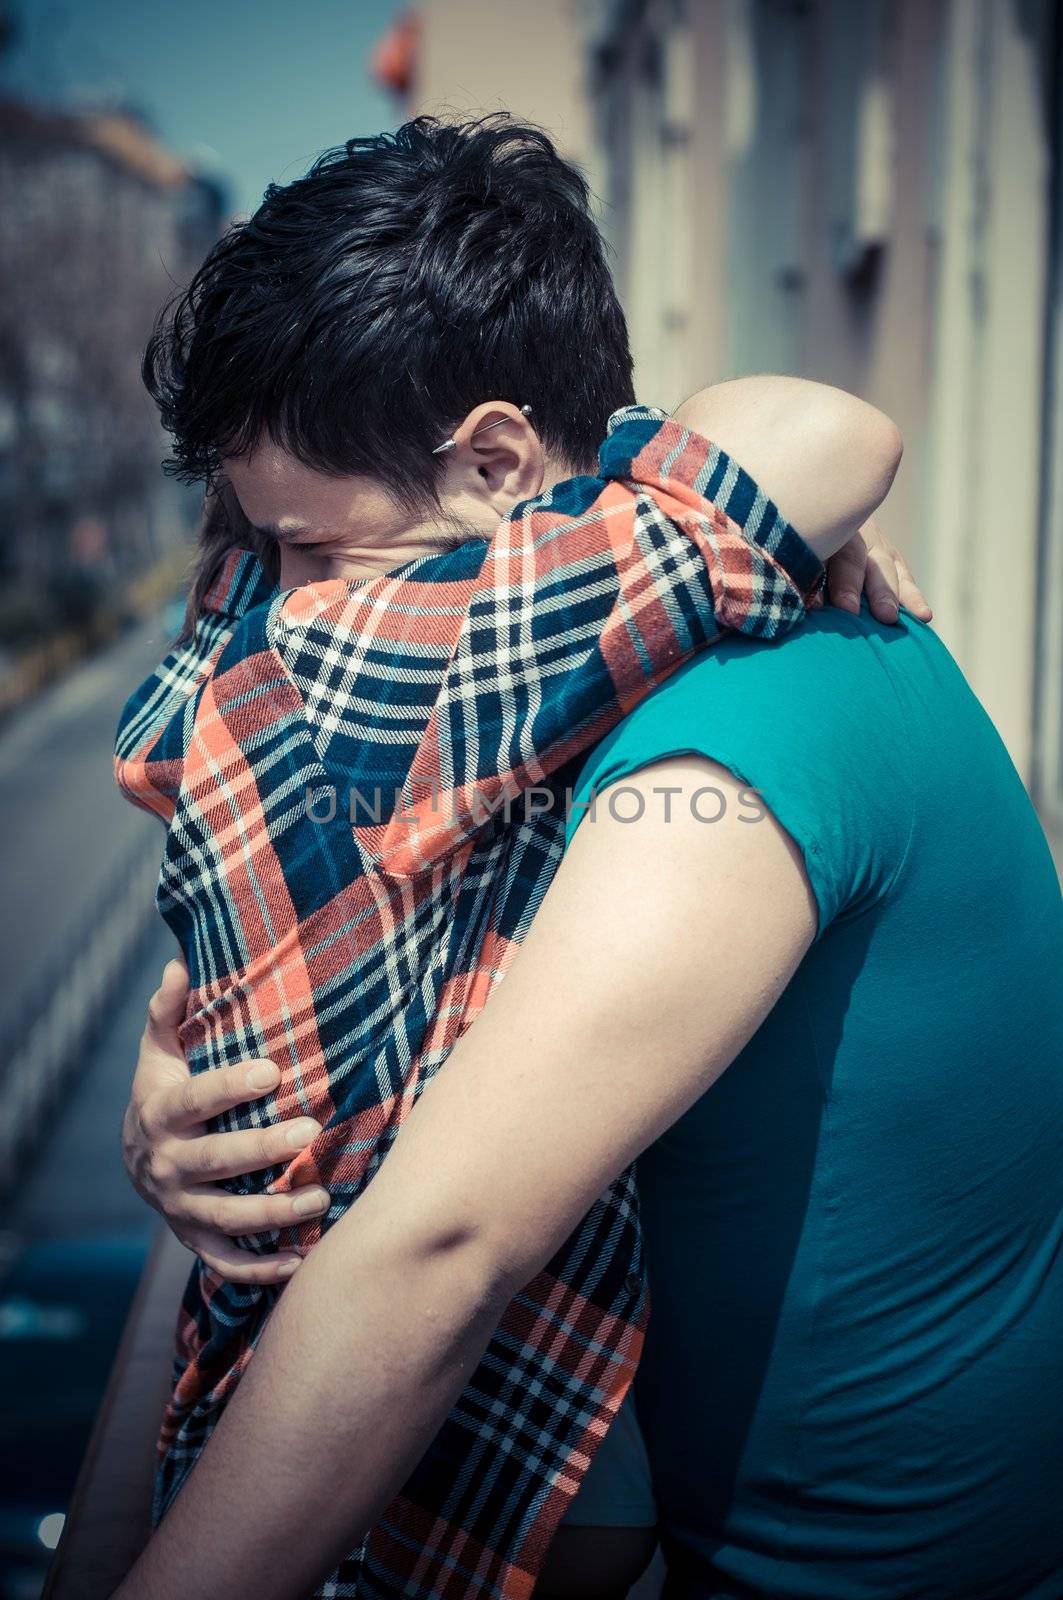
(476, 1265)
(486, 1264)
(487, 1261)
(887, 450)
(876, 446)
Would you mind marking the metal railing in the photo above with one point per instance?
(109, 1517)
(47, 1038)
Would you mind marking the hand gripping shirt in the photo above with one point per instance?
(363, 785)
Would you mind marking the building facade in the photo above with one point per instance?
(867, 192)
(98, 226)
(862, 191)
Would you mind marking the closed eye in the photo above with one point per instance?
(288, 544)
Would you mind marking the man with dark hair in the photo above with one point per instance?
(389, 376)
(367, 307)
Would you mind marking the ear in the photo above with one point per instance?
(496, 460)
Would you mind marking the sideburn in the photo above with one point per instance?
(223, 528)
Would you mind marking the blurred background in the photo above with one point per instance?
(868, 192)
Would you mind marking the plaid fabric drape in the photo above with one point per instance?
(350, 866)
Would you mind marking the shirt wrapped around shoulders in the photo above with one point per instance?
(354, 942)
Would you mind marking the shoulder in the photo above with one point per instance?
(819, 684)
(812, 724)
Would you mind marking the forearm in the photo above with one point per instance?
(382, 1326)
(826, 458)
(362, 1359)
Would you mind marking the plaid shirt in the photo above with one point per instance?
(349, 869)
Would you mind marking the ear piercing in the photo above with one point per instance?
(452, 444)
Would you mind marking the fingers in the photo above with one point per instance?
(230, 1155)
(870, 563)
(177, 1107)
(845, 574)
(238, 1215)
(883, 584)
(236, 1265)
(912, 596)
(166, 1008)
(888, 581)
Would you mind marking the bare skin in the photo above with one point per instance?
(351, 529)
(826, 457)
(487, 1177)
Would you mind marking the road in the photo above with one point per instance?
(74, 1233)
(65, 831)
(65, 827)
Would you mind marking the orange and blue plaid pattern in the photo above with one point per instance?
(349, 869)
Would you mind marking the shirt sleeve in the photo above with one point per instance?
(466, 678)
(816, 733)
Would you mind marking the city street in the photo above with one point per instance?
(66, 828)
(766, 301)
(74, 1241)
(74, 1233)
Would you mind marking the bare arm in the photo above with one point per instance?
(826, 458)
(539, 1108)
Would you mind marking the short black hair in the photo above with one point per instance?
(365, 308)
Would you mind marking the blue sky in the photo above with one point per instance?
(250, 88)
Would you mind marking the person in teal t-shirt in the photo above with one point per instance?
(853, 1380)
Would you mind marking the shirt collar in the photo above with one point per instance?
(239, 583)
(646, 446)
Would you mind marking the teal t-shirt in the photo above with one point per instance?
(853, 1380)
